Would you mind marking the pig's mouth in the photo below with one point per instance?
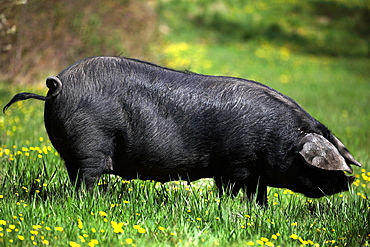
(350, 179)
(345, 187)
(326, 191)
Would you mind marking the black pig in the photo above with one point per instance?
(138, 120)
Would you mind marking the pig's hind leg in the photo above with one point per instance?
(87, 170)
(90, 155)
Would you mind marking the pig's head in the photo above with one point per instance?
(318, 169)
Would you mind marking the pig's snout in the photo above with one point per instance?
(351, 179)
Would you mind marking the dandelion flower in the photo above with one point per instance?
(73, 244)
(294, 236)
(260, 242)
(302, 241)
(264, 239)
(79, 224)
(117, 227)
(102, 214)
(93, 242)
(58, 228)
(82, 239)
(129, 241)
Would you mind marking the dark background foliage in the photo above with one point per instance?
(43, 35)
(39, 37)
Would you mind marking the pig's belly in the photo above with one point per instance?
(162, 174)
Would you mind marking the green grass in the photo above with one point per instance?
(38, 206)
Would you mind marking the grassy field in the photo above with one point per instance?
(38, 206)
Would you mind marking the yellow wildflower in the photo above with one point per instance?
(264, 239)
(73, 244)
(93, 242)
(117, 227)
(58, 228)
(260, 242)
(79, 224)
(102, 214)
(294, 236)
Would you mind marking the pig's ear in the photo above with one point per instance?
(319, 152)
(344, 151)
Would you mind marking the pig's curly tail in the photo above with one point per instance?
(53, 83)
